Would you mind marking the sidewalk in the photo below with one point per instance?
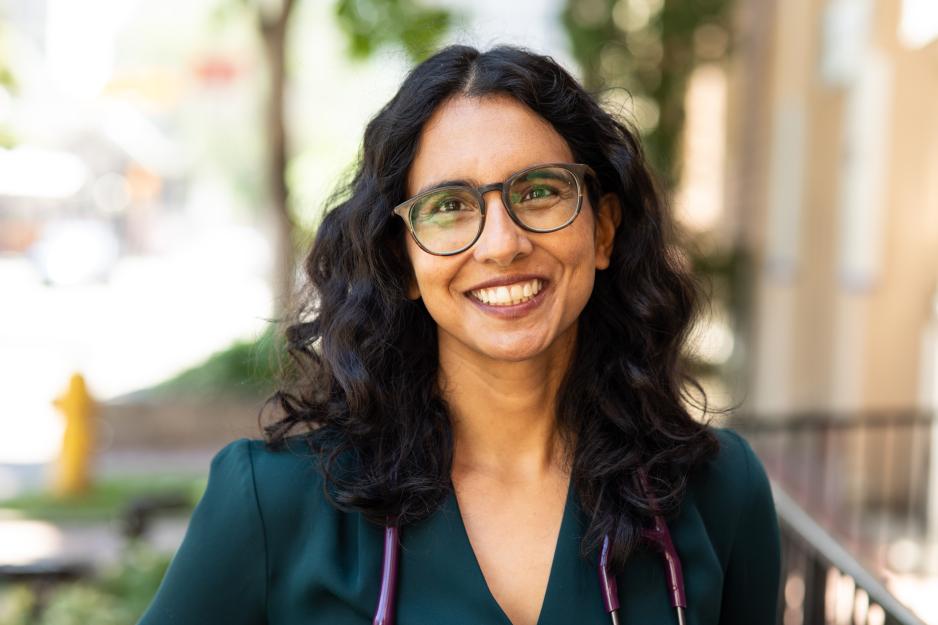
(30, 541)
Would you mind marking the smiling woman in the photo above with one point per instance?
(488, 404)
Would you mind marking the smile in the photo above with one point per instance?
(509, 294)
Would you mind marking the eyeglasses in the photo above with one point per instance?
(450, 218)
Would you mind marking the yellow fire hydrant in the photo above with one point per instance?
(78, 407)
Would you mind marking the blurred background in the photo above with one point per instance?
(164, 163)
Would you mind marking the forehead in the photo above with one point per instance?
(483, 140)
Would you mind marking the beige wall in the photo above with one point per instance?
(833, 183)
(899, 308)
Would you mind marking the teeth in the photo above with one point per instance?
(509, 295)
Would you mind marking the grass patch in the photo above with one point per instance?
(107, 498)
(246, 368)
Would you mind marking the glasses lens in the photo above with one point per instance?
(544, 199)
(447, 219)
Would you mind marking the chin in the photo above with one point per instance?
(514, 351)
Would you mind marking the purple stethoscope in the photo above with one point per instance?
(658, 535)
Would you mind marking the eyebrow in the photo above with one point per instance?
(445, 183)
(463, 182)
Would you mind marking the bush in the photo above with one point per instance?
(118, 596)
(246, 368)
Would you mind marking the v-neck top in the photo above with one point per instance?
(265, 547)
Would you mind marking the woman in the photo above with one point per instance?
(490, 407)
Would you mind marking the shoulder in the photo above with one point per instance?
(734, 470)
(294, 512)
(286, 481)
(731, 502)
(731, 491)
(735, 452)
(291, 463)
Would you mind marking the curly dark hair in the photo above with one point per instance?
(364, 381)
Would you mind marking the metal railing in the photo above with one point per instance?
(822, 583)
(853, 494)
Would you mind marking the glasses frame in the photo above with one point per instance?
(404, 209)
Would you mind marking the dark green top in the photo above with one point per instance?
(264, 546)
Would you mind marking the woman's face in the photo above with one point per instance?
(483, 141)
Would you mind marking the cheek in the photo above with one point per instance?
(433, 275)
(420, 262)
(581, 259)
(424, 271)
(583, 284)
(582, 248)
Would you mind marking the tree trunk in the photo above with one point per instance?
(273, 27)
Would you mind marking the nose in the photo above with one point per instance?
(502, 240)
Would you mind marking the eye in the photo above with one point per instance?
(538, 192)
(450, 205)
(540, 195)
(446, 207)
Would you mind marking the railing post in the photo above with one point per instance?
(928, 397)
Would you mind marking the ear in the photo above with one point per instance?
(608, 217)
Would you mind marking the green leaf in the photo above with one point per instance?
(372, 24)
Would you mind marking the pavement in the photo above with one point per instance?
(30, 541)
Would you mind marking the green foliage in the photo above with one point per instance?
(106, 499)
(7, 79)
(80, 603)
(17, 605)
(8, 83)
(640, 54)
(118, 596)
(727, 272)
(371, 24)
(134, 580)
(649, 48)
(246, 368)
(7, 138)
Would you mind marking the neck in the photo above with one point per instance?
(504, 413)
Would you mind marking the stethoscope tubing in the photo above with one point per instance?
(384, 614)
(658, 535)
(661, 537)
